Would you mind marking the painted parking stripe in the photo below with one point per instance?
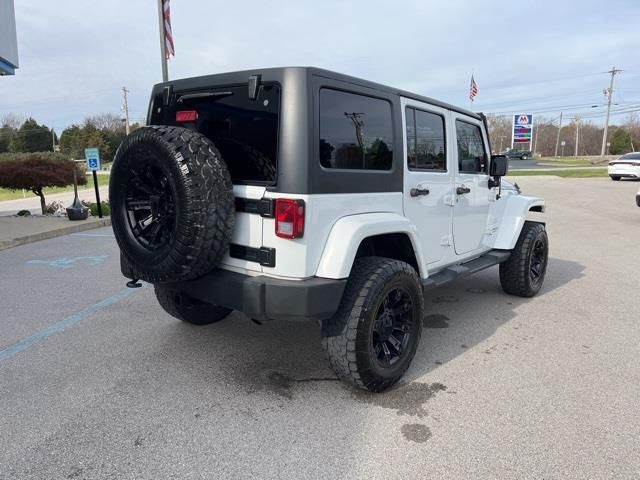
(63, 324)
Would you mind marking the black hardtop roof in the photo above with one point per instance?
(187, 82)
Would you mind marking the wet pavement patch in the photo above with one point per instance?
(446, 299)
(282, 384)
(476, 290)
(408, 399)
(414, 432)
(435, 321)
(76, 472)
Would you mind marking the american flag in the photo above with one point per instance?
(473, 89)
(168, 37)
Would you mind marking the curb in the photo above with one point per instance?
(80, 227)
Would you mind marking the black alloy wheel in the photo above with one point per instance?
(151, 206)
(392, 328)
(538, 261)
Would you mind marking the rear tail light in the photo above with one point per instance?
(289, 218)
(186, 116)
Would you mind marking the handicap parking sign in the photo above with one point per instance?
(92, 156)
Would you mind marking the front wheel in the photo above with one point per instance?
(523, 273)
(187, 309)
(374, 335)
(524, 157)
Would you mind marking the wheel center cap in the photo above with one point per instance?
(386, 324)
(155, 205)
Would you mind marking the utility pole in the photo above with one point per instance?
(609, 93)
(577, 135)
(558, 137)
(125, 108)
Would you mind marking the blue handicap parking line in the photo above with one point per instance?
(63, 324)
(70, 262)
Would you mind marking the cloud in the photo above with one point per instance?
(76, 56)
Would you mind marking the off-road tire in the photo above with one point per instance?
(516, 274)
(348, 336)
(184, 176)
(615, 178)
(188, 309)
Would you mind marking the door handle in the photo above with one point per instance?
(462, 190)
(416, 192)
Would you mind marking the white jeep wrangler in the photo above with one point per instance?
(303, 194)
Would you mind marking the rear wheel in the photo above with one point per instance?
(373, 337)
(187, 309)
(523, 273)
(524, 157)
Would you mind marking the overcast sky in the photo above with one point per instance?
(539, 56)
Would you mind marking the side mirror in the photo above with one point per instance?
(499, 166)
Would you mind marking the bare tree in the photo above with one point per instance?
(105, 121)
(12, 121)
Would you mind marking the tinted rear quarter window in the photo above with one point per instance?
(356, 131)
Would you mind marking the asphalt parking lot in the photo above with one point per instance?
(97, 382)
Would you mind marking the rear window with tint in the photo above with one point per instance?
(245, 131)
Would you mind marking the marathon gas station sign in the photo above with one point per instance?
(522, 129)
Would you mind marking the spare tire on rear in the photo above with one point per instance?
(172, 204)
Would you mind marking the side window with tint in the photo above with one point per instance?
(426, 148)
(356, 132)
(472, 156)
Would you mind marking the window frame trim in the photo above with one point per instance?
(484, 146)
(444, 131)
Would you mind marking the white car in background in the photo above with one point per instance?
(627, 166)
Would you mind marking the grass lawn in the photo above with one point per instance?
(567, 163)
(6, 194)
(571, 162)
(573, 173)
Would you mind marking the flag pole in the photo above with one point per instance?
(163, 47)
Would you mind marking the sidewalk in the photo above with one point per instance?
(32, 202)
(15, 231)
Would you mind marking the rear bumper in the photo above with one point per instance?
(266, 298)
(624, 171)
